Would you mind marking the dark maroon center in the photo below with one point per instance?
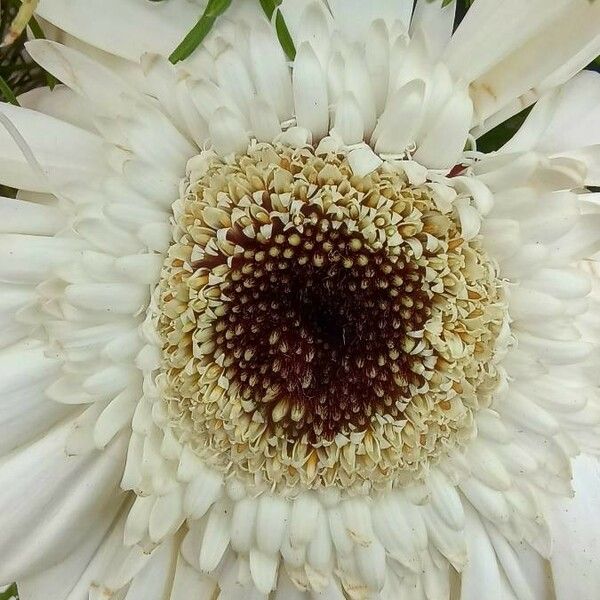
(317, 320)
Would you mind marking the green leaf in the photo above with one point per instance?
(269, 7)
(9, 96)
(283, 34)
(11, 592)
(214, 9)
(496, 138)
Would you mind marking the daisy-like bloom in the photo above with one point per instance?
(276, 329)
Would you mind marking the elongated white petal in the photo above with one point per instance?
(575, 530)
(228, 132)
(72, 578)
(348, 121)
(271, 520)
(62, 103)
(216, 536)
(76, 488)
(166, 515)
(29, 259)
(482, 572)
(401, 119)
(122, 298)
(18, 216)
(264, 570)
(353, 17)
(158, 30)
(530, 64)
(201, 493)
(270, 72)
(243, 524)
(445, 137)
(157, 574)
(563, 119)
(79, 155)
(436, 24)
(310, 93)
(487, 34)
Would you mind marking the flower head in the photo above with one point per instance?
(326, 347)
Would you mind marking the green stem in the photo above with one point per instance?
(11, 592)
(193, 39)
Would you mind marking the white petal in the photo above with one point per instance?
(575, 526)
(234, 79)
(445, 137)
(303, 519)
(216, 536)
(488, 502)
(363, 160)
(265, 123)
(71, 578)
(371, 562)
(310, 93)
(377, 56)
(449, 542)
(270, 72)
(348, 120)
(201, 493)
(153, 582)
(401, 119)
(155, 184)
(354, 17)
(25, 258)
(264, 570)
(446, 499)
(481, 573)
(189, 580)
(488, 34)
(228, 132)
(160, 79)
(98, 83)
(532, 63)
(563, 119)
(271, 522)
(115, 416)
(123, 27)
(509, 560)
(64, 152)
(436, 24)
(357, 81)
(64, 496)
(319, 553)
(120, 298)
(62, 103)
(166, 515)
(18, 216)
(243, 524)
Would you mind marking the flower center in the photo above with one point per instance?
(320, 328)
(316, 329)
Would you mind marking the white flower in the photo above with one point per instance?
(268, 327)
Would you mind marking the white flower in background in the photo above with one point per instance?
(277, 329)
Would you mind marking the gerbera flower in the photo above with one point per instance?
(277, 329)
